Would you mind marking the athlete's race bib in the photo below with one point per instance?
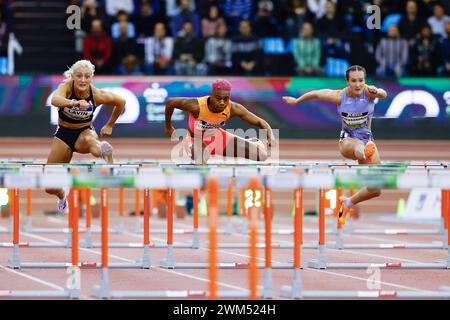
(355, 120)
(204, 125)
(78, 114)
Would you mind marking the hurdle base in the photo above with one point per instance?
(267, 292)
(120, 228)
(168, 262)
(224, 265)
(14, 262)
(195, 240)
(102, 291)
(336, 245)
(88, 239)
(146, 258)
(291, 292)
(83, 265)
(22, 294)
(173, 294)
(29, 225)
(395, 231)
(434, 265)
(228, 227)
(317, 264)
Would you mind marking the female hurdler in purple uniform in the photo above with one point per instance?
(355, 106)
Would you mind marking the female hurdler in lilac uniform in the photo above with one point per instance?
(355, 106)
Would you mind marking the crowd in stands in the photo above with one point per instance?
(4, 27)
(265, 37)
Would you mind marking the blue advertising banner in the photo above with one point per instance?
(415, 107)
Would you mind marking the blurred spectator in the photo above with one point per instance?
(204, 5)
(173, 7)
(91, 10)
(146, 19)
(360, 52)
(265, 24)
(353, 15)
(247, 51)
(122, 16)
(235, 11)
(409, 26)
(445, 52)
(426, 53)
(330, 25)
(392, 54)
(4, 32)
(329, 30)
(218, 52)
(307, 52)
(296, 15)
(317, 7)
(126, 55)
(158, 51)
(438, 20)
(97, 47)
(186, 14)
(188, 53)
(114, 6)
(411, 23)
(426, 8)
(211, 22)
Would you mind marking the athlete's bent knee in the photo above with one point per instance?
(262, 155)
(52, 191)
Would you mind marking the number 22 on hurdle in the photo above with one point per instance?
(252, 199)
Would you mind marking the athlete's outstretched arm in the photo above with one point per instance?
(185, 104)
(322, 94)
(249, 117)
(60, 99)
(111, 99)
(375, 92)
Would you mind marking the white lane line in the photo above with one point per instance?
(328, 272)
(39, 280)
(35, 279)
(159, 269)
(274, 261)
(365, 280)
(35, 236)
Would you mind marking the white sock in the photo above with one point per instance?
(348, 203)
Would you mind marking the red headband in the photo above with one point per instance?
(221, 84)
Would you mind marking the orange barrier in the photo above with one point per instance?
(448, 217)
(75, 215)
(87, 193)
(213, 217)
(195, 200)
(298, 227)
(321, 217)
(170, 208)
(104, 214)
(268, 227)
(70, 203)
(15, 201)
(137, 209)
(121, 196)
(339, 192)
(146, 217)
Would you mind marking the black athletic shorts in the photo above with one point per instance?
(70, 136)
